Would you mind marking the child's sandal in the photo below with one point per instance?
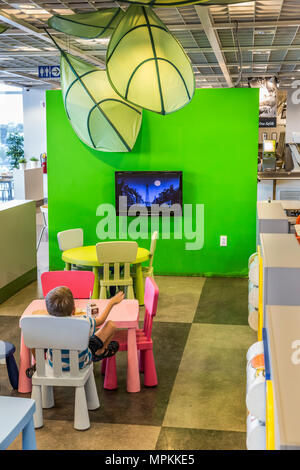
(110, 351)
(30, 371)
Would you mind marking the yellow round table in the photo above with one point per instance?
(87, 256)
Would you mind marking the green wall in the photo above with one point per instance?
(213, 140)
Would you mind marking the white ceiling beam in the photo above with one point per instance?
(290, 75)
(190, 27)
(204, 17)
(251, 48)
(26, 53)
(32, 68)
(250, 64)
(242, 25)
(33, 31)
(189, 50)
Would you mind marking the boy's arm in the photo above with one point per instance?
(113, 301)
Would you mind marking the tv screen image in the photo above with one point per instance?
(147, 188)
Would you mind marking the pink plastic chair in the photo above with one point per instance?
(144, 343)
(81, 283)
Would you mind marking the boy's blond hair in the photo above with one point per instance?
(60, 302)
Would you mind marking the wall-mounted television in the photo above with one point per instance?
(148, 188)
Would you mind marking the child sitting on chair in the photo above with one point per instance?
(60, 303)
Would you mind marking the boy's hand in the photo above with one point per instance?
(117, 298)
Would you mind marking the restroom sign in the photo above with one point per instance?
(49, 71)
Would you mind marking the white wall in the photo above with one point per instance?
(34, 112)
(292, 114)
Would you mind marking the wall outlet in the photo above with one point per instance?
(223, 240)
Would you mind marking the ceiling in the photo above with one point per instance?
(268, 39)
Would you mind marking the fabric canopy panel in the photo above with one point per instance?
(93, 25)
(170, 3)
(100, 118)
(146, 65)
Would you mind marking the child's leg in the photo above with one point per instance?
(106, 334)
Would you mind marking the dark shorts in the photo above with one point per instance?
(95, 343)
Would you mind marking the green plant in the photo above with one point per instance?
(15, 152)
(34, 159)
(22, 160)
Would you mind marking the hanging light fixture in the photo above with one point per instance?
(96, 24)
(146, 65)
(100, 118)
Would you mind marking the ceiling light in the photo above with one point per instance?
(63, 11)
(23, 5)
(27, 48)
(103, 41)
(35, 12)
(259, 52)
(264, 32)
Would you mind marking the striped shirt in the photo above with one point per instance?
(84, 357)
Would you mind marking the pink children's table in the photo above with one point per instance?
(125, 315)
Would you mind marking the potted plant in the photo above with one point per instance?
(15, 151)
(34, 162)
(22, 163)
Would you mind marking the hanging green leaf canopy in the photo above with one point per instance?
(100, 118)
(146, 65)
(2, 29)
(98, 24)
(171, 3)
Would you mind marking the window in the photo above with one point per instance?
(11, 118)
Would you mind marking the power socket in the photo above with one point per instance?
(223, 240)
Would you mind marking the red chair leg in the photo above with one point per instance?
(150, 376)
(110, 381)
(142, 361)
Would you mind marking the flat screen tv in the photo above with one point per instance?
(147, 188)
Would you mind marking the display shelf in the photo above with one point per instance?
(283, 346)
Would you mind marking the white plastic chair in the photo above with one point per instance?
(148, 270)
(44, 211)
(69, 239)
(116, 254)
(44, 332)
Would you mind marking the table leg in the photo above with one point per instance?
(139, 284)
(133, 376)
(96, 283)
(28, 436)
(67, 266)
(25, 362)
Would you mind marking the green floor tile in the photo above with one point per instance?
(223, 301)
(200, 439)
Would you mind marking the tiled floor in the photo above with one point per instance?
(200, 336)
